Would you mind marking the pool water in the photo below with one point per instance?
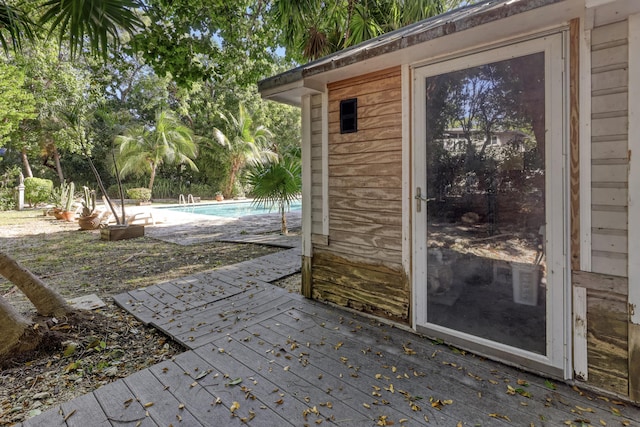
(229, 210)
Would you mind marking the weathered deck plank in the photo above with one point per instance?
(158, 400)
(121, 406)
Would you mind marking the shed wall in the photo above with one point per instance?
(606, 285)
(360, 266)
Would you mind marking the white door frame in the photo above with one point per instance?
(557, 361)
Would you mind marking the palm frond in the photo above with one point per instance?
(98, 21)
(17, 25)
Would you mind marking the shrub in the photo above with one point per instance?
(7, 199)
(37, 190)
(201, 190)
(142, 194)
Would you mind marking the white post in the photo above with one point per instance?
(20, 195)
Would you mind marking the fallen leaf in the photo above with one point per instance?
(549, 385)
(203, 374)
(496, 415)
(407, 350)
(148, 404)
(235, 381)
(234, 407)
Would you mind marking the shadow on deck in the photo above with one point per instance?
(261, 356)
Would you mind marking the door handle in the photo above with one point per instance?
(420, 199)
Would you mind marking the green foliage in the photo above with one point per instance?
(16, 24)
(143, 149)
(98, 22)
(7, 199)
(37, 190)
(202, 40)
(245, 144)
(16, 103)
(140, 193)
(311, 29)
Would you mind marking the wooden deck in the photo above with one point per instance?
(261, 356)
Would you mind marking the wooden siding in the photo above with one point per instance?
(361, 264)
(316, 164)
(609, 152)
(607, 330)
(607, 316)
(378, 290)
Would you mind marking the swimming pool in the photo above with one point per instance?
(229, 210)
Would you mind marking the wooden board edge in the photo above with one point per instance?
(634, 362)
(580, 359)
(574, 139)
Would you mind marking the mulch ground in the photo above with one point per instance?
(80, 354)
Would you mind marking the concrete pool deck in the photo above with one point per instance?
(190, 229)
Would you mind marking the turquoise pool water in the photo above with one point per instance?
(228, 210)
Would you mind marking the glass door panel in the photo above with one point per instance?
(486, 201)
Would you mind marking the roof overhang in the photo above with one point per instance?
(290, 87)
(467, 28)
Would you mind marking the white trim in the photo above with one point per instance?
(419, 224)
(558, 354)
(306, 176)
(585, 148)
(595, 3)
(406, 169)
(634, 169)
(325, 162)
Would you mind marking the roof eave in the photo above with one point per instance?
(290, 86)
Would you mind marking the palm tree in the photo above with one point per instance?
(316, 28)
(144, 149)
(244, 143)
(278, 184)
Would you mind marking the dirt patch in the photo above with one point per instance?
(83, 354)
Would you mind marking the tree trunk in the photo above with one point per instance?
(25, 163)
(152, 178)
(47, 301)
(283, 227)
(228, 193)
(56, 157)
(17, 332)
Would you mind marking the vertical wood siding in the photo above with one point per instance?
(609, 171)
(361, 267)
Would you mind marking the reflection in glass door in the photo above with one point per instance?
(486, 179)
(486, 201)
